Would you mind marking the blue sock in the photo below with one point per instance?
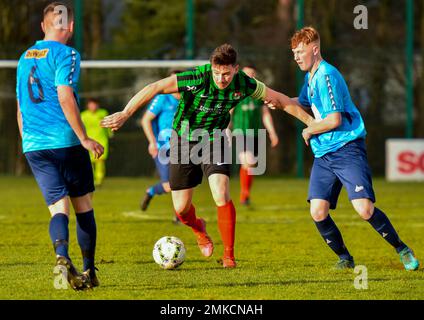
(86, 234)
(157, 189)
(332, 236)
(59, 234)
(383, 226)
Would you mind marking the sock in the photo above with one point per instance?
(157, 189)
(59, 234)
(249, 181)
(86, 234)
(190, 219)
(382, 225)
(227, 226)
(244, 184)
(332, 236)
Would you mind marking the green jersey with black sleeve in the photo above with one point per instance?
(203, 106)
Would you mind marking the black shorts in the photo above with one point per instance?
(188, 162)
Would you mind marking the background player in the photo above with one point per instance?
(208, 93)
(337, 140)
(157, 126)
(91, 118)
(249, 114)
(54, 139)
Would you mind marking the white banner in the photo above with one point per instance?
(405, 159)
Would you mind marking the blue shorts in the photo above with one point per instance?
(346, 167)
(163, 170)
(62, 172)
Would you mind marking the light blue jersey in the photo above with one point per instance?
(164, 107)
(41, 69)
(327, 93)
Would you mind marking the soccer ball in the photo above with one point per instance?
(169, 252)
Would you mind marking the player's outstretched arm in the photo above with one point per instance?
(72, 114)
(274, 99)
(165, 86)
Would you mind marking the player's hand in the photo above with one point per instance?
(274, 140)
(270, 104)
(306, 136)
(153, 150)
(93, 146)
(115, 121)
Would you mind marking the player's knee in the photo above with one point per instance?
(365, 211)
(182, 207)
(221, 197)
(319, 214)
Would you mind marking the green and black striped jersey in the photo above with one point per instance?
(203, 106)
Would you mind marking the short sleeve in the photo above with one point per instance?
(303, 95)
(156, 104)
(330, 93)
(191, 80)
(68, 67)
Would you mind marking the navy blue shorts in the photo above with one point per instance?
(163, 170)
(346, 167)
(62, 172)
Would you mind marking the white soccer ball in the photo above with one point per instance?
(169, 252)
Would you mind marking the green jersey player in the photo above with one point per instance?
(208, 94)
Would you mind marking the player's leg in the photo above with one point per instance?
(86, 234)
(79, 179)
(182, 180)
(99, 171)
(353, 170)
(219, 185)
(159, 188)
(186, 213)
(324, 189)
(46, 170)
(247, 160)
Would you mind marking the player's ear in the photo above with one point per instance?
(315, 50)
(43, 27)
(71, 26)
(237, 67)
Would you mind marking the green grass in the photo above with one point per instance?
(279, 252)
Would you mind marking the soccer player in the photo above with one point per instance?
(208, 93)
(91, 118)
(55, 141)
(337, 139)
(157, 126)
(247, 117)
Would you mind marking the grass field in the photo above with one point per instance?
(279, 252)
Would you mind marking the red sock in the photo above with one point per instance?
(244, 191)
(190, 219)
(227, 226)
(249, 181)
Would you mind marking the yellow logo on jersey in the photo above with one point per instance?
(36, 54)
